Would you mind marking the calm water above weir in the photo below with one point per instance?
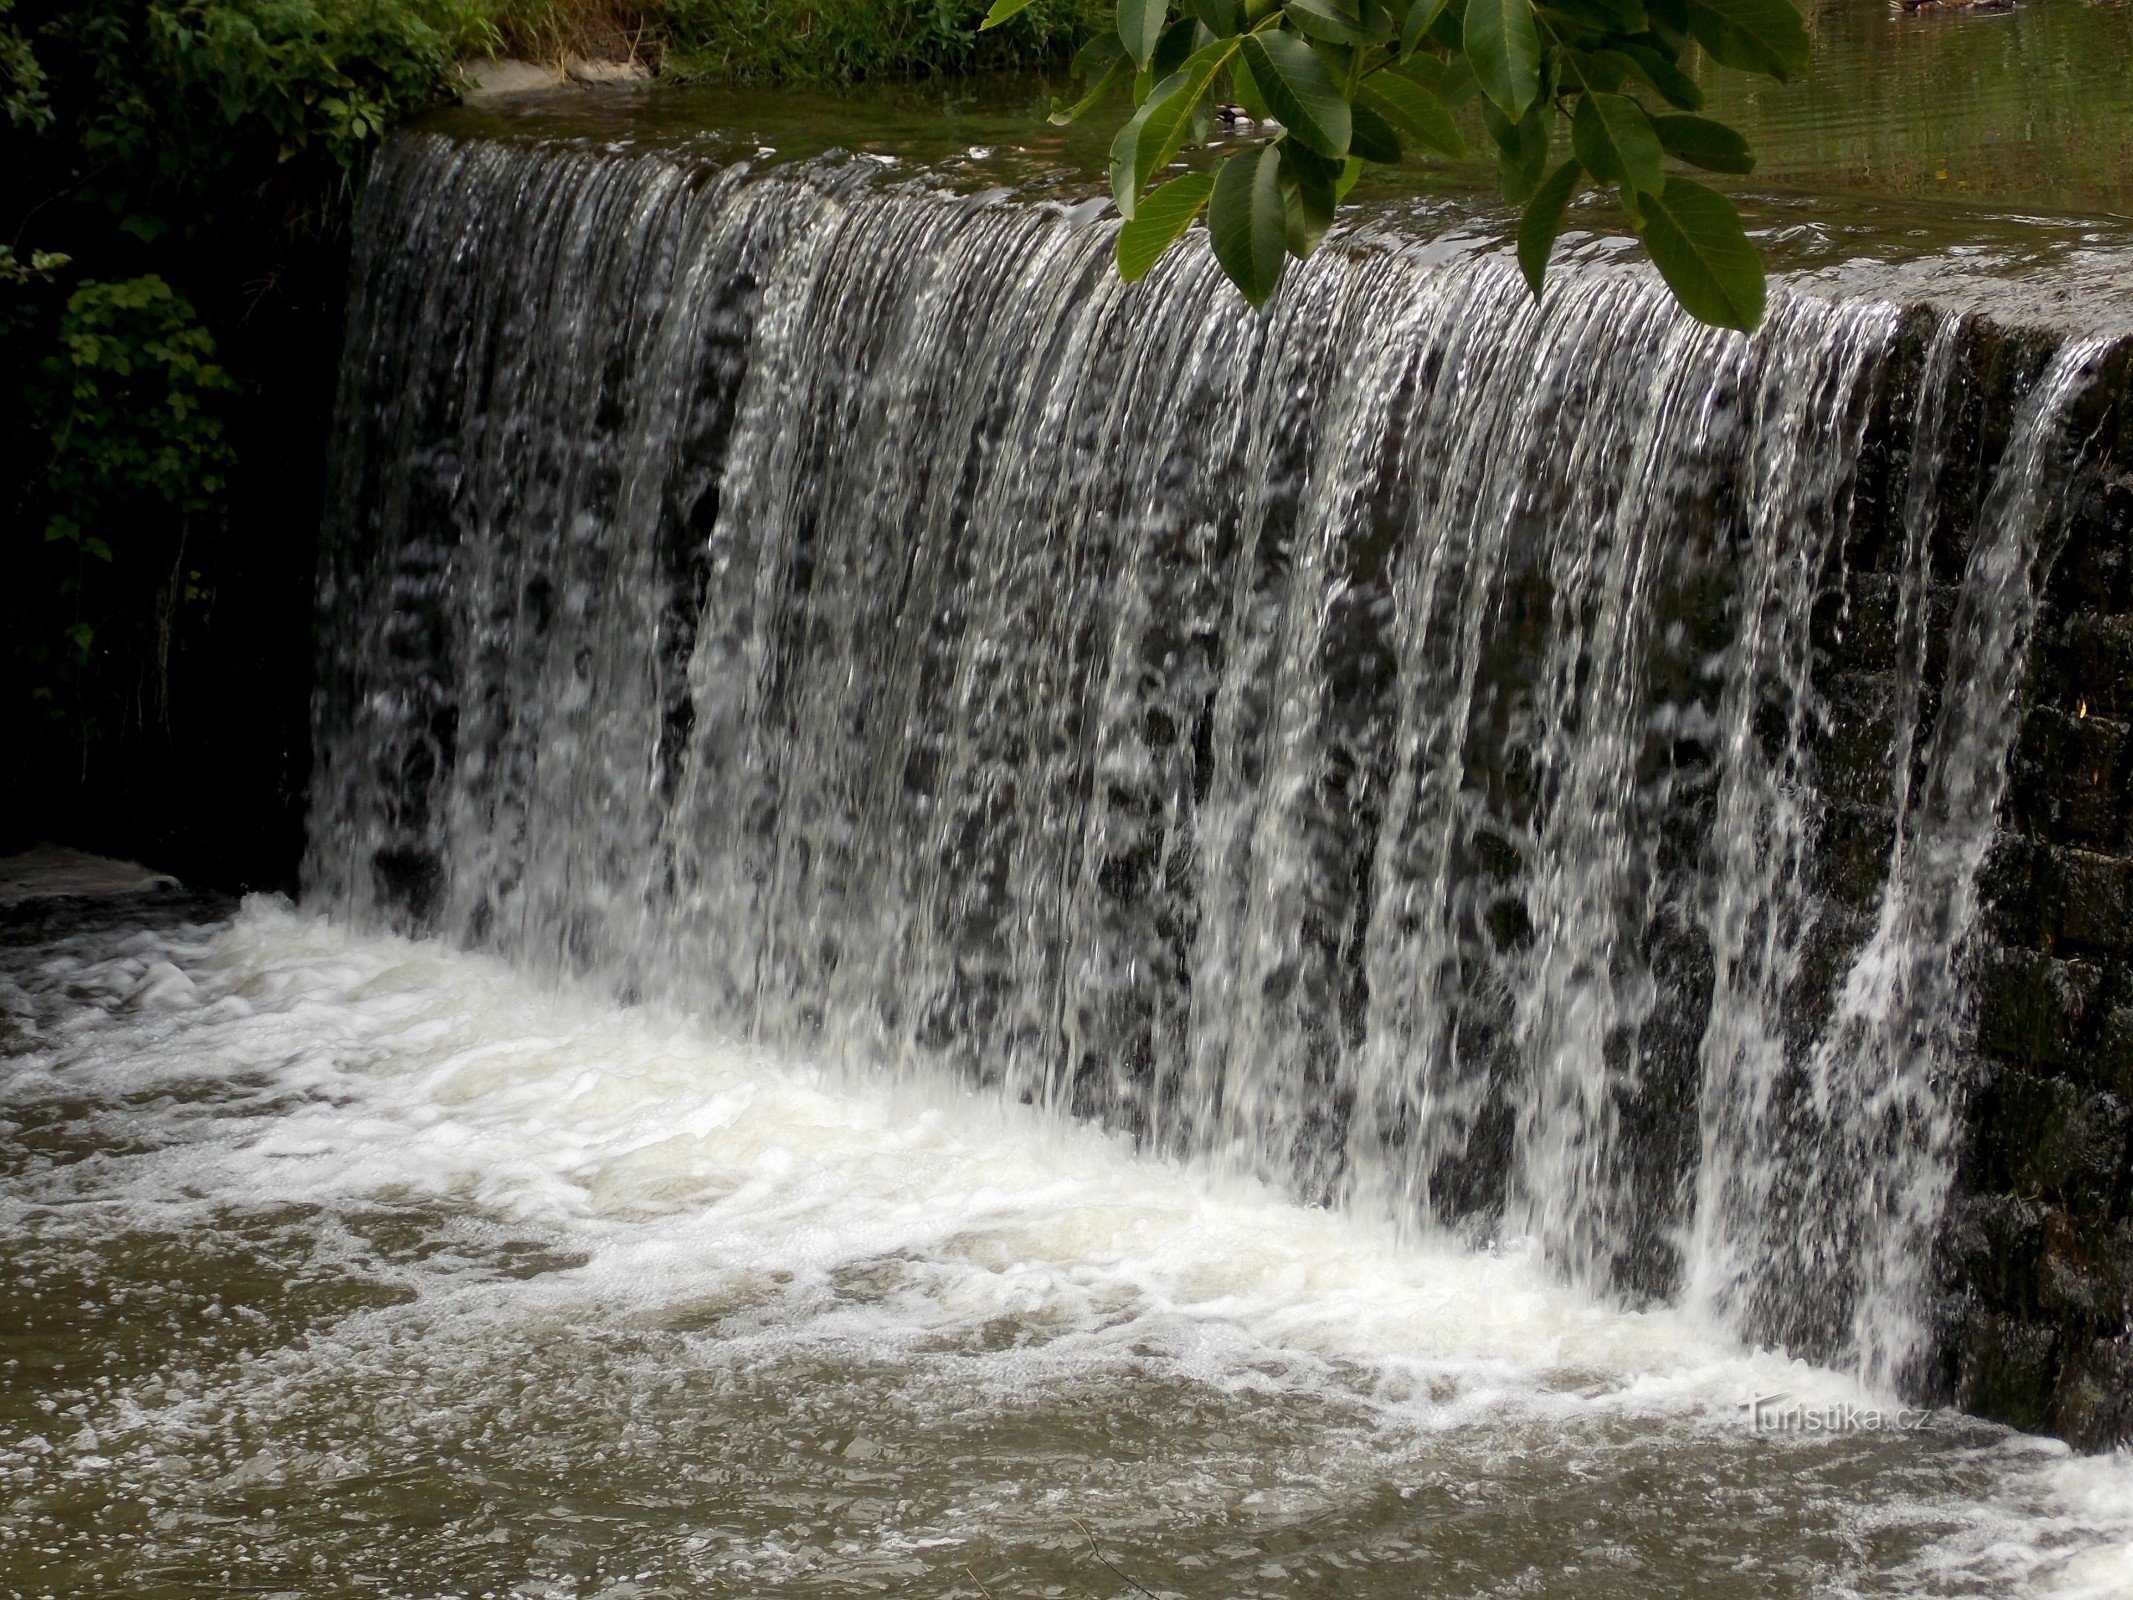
(884, 827)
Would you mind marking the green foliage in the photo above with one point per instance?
(134, 394)
(185, 167)
(133, 402)
(190, 107)
(844, 41)
(1348, 83)
(22, 90)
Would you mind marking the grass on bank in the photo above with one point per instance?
(793, 41)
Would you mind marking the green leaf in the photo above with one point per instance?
(1002, 10)
(1103, 86)
(1542, 220)
(1246, 88)
(1373, 136)
(1604, 16)
(1307, 198)
(1521, 148)
(1420, 16)
(1163, 215)
(1664, 75)
(1503, 43)
(1101, 51)
(1245, 222)
(1614, 139)
(1420, 116)
(1763, 36)
(1299, 90)
(1167, 117)
(1140, 25)
(1330, 20)
(1695, 239)
(1703, 143)
(1223, 18)
(1125, 146)
(1175, 48)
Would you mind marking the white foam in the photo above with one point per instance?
(681, 1169)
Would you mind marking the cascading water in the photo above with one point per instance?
(1372, 745)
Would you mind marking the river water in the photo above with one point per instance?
(970, 933)
(350, 1265)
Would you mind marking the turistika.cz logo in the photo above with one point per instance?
(1779, 1413)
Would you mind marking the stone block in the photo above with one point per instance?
(2065, 779)
(2031, 1008)
(2008, 1368)
(2096, 904)
(2092, 1405)
(1993, 1242)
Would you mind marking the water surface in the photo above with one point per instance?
(342, 1265)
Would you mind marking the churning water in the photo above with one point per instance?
(974, 931)
(348, 1265)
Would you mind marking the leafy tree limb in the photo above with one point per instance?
(1339, 85)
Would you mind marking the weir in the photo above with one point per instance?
(1531, 771)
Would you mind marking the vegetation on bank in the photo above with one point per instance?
(171, 284)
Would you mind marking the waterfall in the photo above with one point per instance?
(1375, 745)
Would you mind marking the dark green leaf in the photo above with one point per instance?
(1170, 109)
(1171, 50)
(1503, 44)
(1521, 148)
(1663, 74)
(1373, 136)
(1002, 10)
(1221, 17)
(1113, 74)
(1603, 16)
(1307, 198)
(1163, 215)
(1764, 36)
(1125, 144)
(1614, 139)
(1695, 239)
(1245, 222)
(1140, 25)
(1099, 53)
(1299, 90)
(1246, 88)
(1542, 220)
(1704, 143)
(1331, 20)
(1599, 69)
(1419, 115)
(1420, 15)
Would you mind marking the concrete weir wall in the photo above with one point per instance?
(2034, 1316)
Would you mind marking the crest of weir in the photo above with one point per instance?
(1379, 744)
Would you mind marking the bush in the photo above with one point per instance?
(169, 330)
